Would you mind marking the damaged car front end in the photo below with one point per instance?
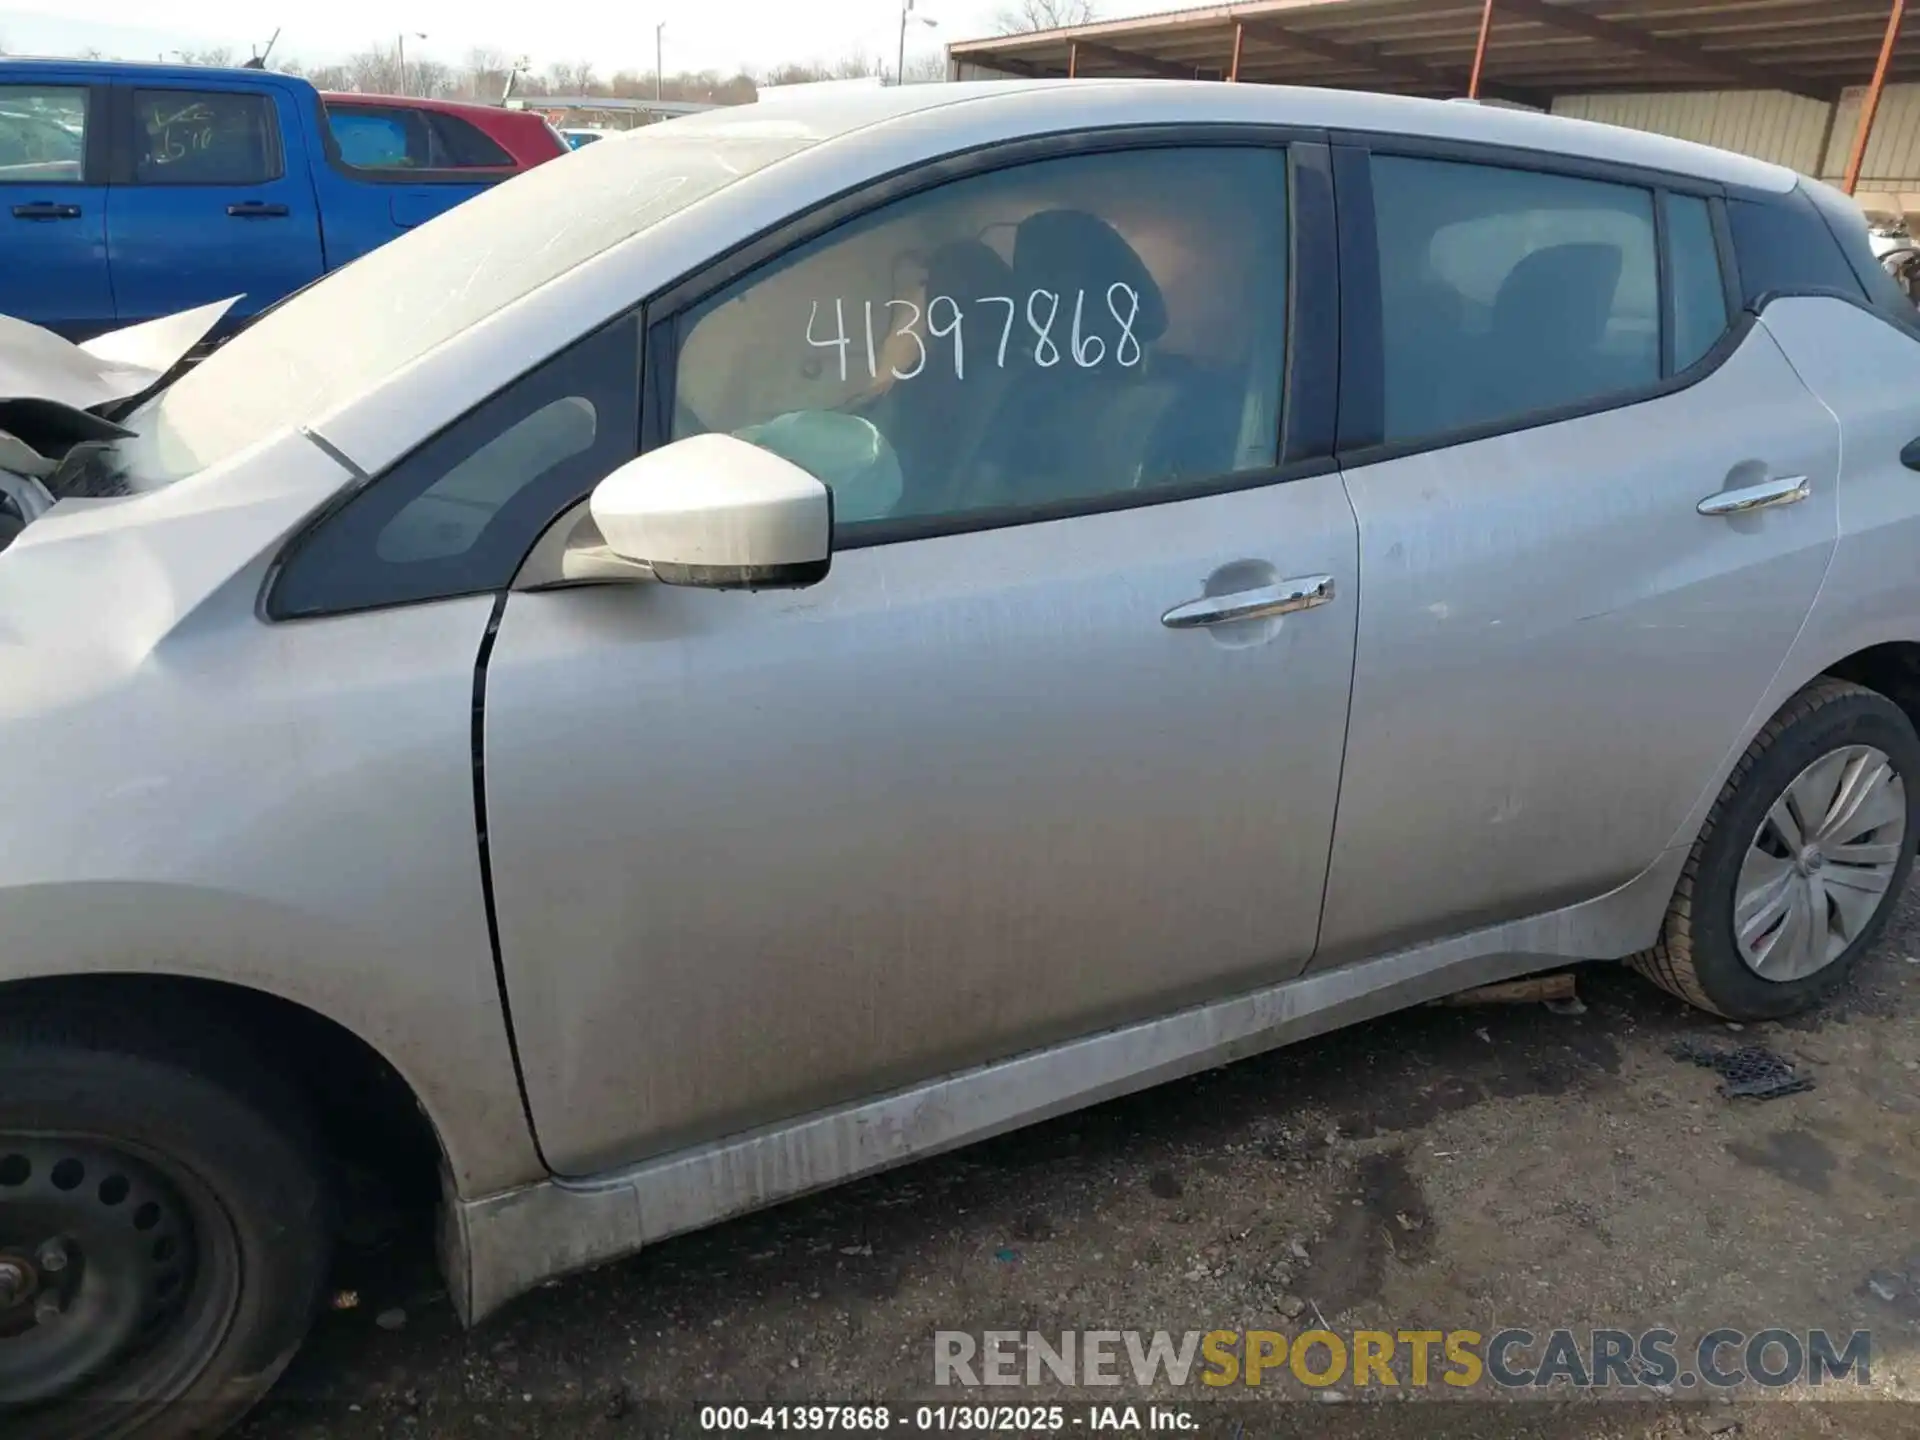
(66, 410)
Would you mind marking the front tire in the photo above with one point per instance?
(1794, 875)
(163, 1235)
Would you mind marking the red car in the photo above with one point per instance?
(404, 132)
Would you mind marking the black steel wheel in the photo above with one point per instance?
(163, 1238)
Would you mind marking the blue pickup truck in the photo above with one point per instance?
(133, 191)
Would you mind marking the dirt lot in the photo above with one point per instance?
(1445, 1169)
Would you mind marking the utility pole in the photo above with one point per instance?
(400, 41)
(900, 63)
(656, 60)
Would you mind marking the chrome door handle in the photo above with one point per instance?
(1782, 490)
(1283, 597)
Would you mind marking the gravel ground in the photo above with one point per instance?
(1447, 1168)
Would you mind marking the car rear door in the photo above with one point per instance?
(1056, 743)
(53, 204)
(211, 199)
(392, 166)
(1595, 504)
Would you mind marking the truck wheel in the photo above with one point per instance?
(163, 1237)
(1794, 874)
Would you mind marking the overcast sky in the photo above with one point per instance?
(700, 34)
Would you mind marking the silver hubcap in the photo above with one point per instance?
(1820, 864)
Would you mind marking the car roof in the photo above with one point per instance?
(827, 116)
(421, 102)
(24, 67)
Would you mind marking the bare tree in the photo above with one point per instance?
(925, 70)
(218, 55)
(1025, 15)
(373, 71)
(575, 79)
(484, 76)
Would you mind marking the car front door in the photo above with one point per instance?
(1595, 505)
(53, 206)
(1056, 743)
(217, 201)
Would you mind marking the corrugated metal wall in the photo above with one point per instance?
(1767, 124)
(1786, 129)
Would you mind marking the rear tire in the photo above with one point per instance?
(164, 1232)
(1722, 947)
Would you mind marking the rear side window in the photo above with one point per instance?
(1508, 292)
(370, 139)
(397, 137)
(457, 516)
(43, 133)
(1699, 299)
(465, 146)
(214, 137)
(1784, 247)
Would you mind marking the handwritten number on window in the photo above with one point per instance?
(939, 331)
(913, 335)
(839, 342)
(1115, 293)
(1013, 308)
(1046, 354)
(945, 318)
(1088, 350)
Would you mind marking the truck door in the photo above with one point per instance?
(53, 206)
(213, 199)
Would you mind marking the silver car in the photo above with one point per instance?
(799, 638)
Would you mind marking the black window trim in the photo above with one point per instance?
(1305, 443)
(124, 146)
(330, 152)
(95, 142)
(1906, 323)
(1362, 419)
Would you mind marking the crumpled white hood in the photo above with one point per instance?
(36, 364)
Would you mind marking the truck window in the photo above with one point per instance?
(43, 133)
(398, 137)
(210, 137)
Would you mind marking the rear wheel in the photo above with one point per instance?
(1794, 875)
(163, 1239)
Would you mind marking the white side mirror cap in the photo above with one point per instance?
(717, 512)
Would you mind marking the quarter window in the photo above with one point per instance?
(1508, 292)
(1699, 302)
(383, 137)
(214, 137)
(43, 133)
(1023, 341)
(457, 515)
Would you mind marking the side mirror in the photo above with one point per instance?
(719, 513)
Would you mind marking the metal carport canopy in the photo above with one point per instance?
(1535, 49)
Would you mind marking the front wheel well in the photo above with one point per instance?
(383, 1150)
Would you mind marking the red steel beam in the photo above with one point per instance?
(1480, 50)
(1870, 106)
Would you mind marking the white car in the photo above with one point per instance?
(1236, 560)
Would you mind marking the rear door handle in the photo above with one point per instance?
(1909, 457)
(46, 210)
(1283, 597)
(1781, 490)
(257, 210)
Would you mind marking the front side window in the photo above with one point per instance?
(1508, 292)
(43, 133)
(213, 137)
(1040, 336)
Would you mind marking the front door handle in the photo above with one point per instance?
(1283, 597)
(257, 210)
(1781, 490)
(46, 210)
(1910, 456)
